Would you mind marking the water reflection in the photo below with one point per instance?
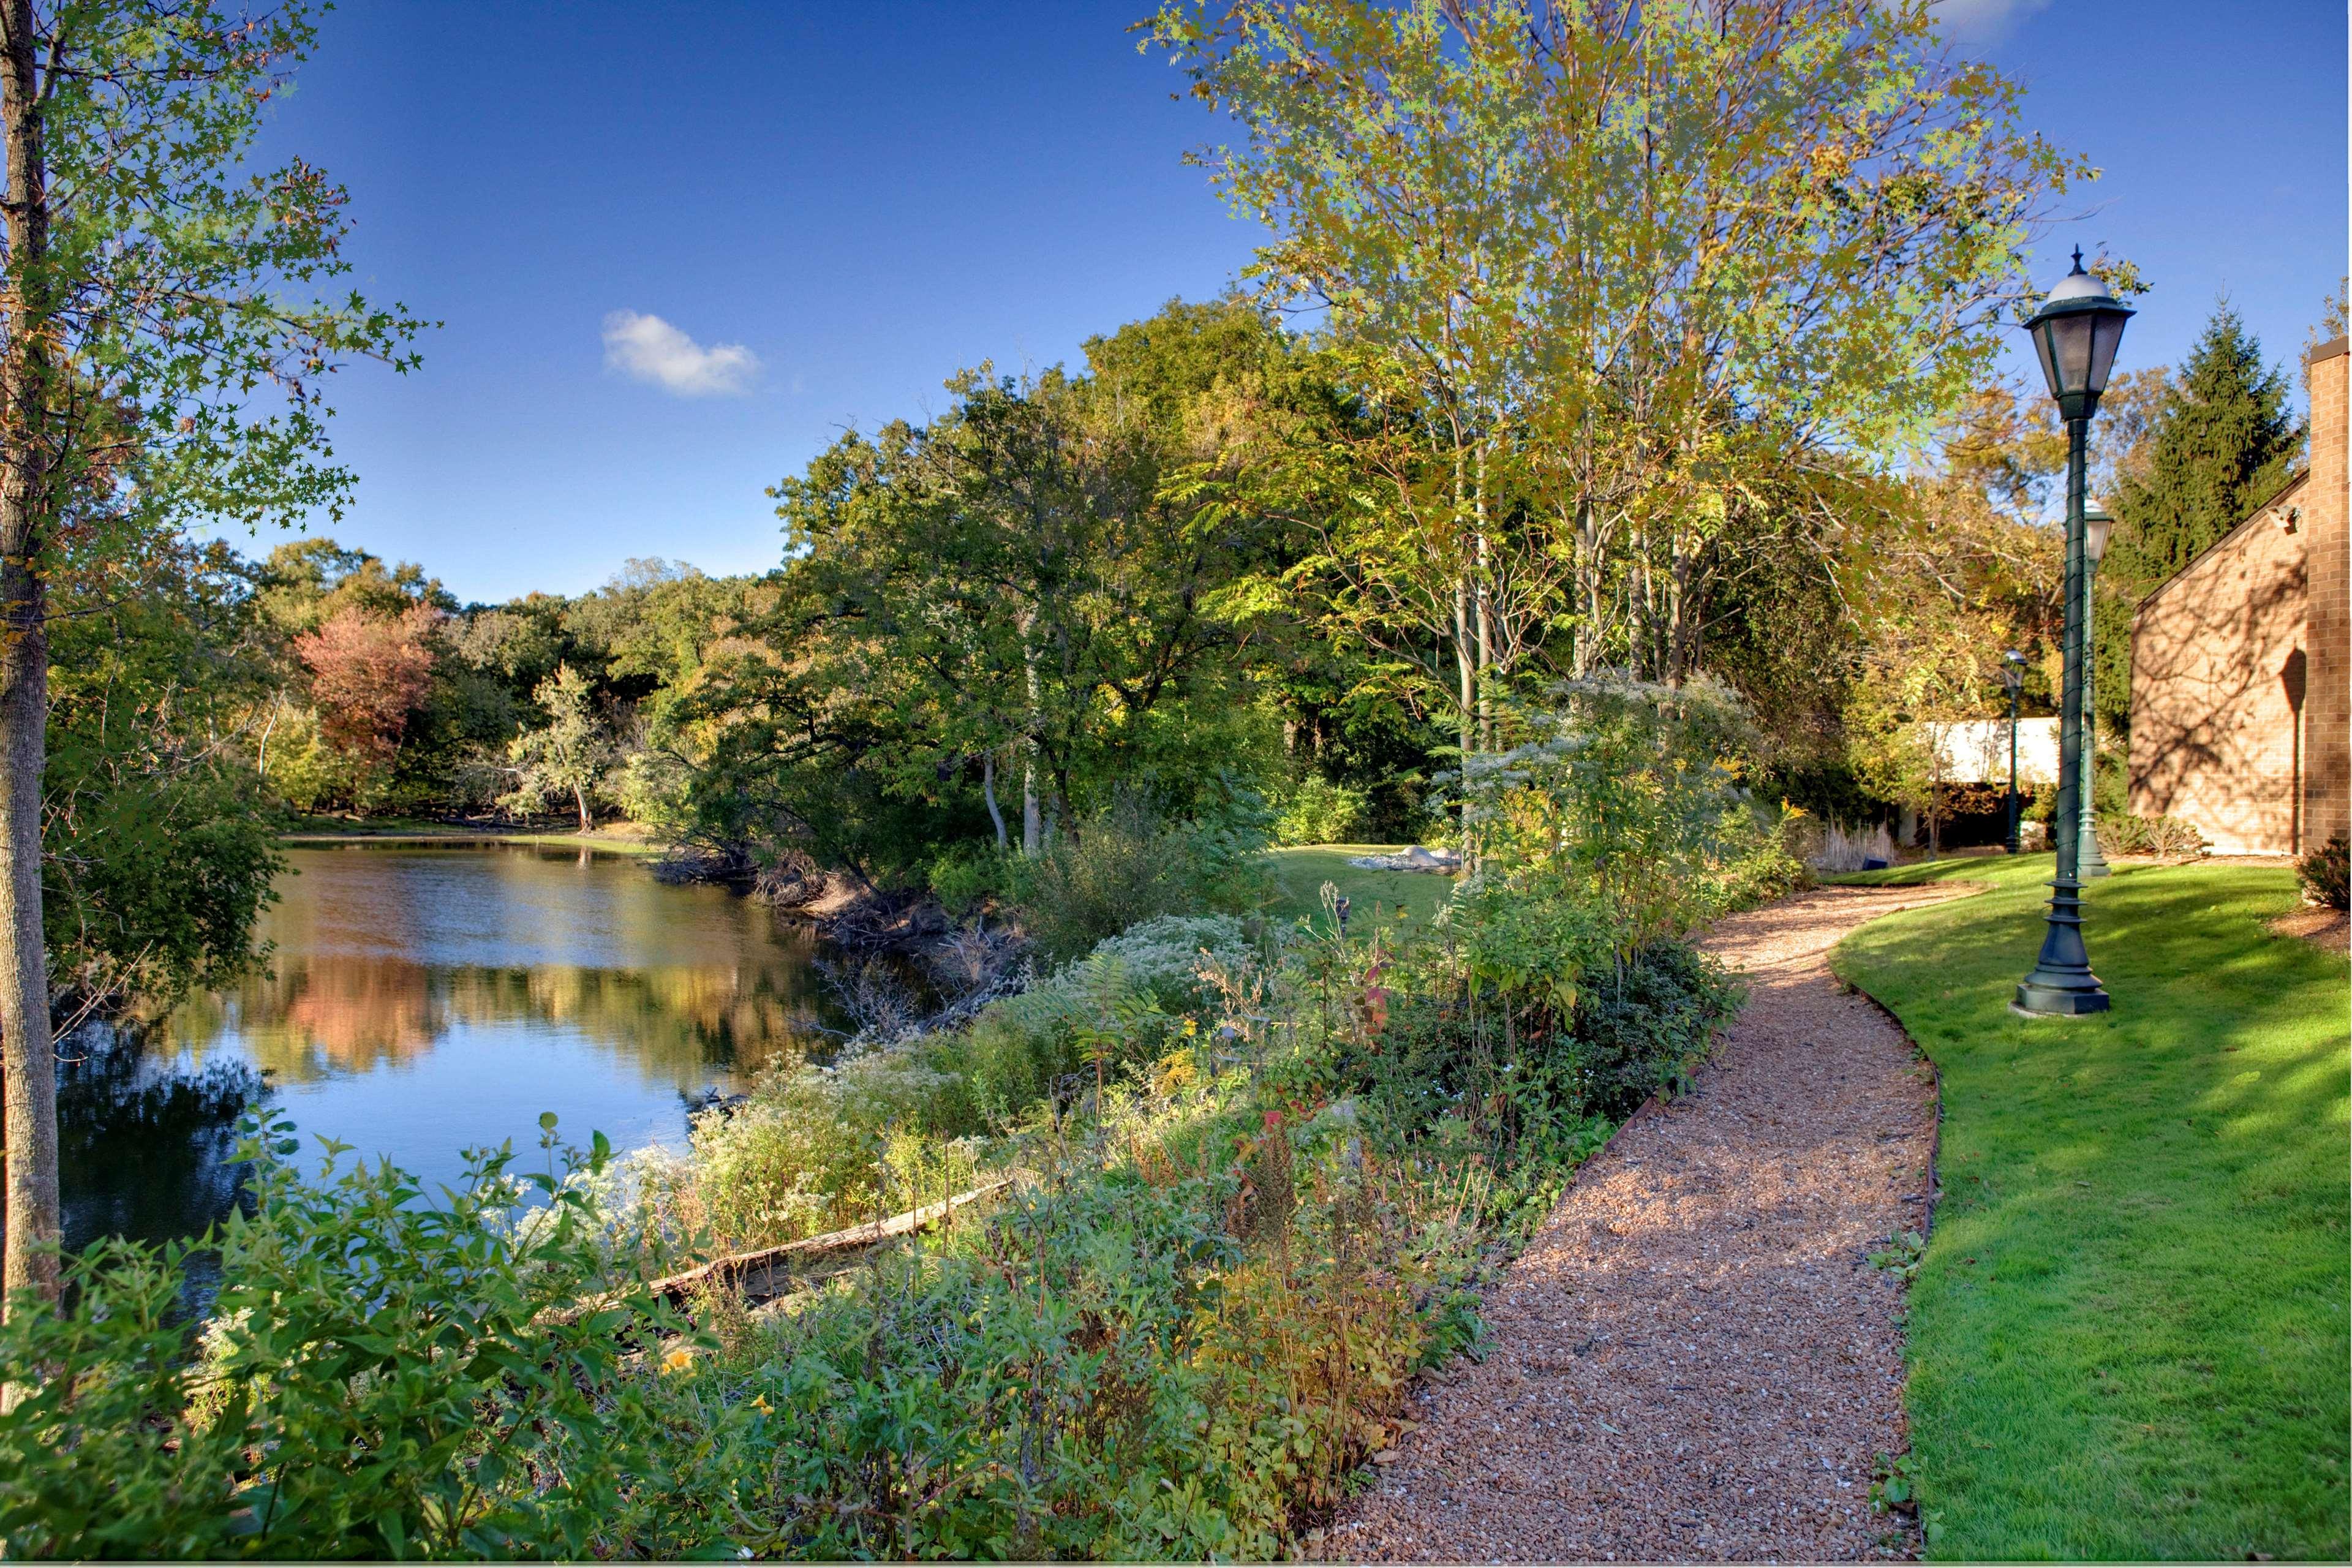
(144, 1143)
(423, 1001)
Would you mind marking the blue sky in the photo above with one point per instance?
(677, 249)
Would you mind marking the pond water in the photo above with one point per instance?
(423, 1000)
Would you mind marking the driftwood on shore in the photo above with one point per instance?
(771, 1272)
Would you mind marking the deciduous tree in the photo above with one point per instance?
(161, 349)
(569, 755)
(1635, 272)
(368, 674)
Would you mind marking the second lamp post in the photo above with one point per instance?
(2013, 678)
(2075, 335)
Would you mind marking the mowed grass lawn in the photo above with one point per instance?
(2128, 1335)
(1299, 875)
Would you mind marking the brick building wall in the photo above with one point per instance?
(2327, 707)
(2239, 672)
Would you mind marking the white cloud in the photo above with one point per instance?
(651, 350)
(1983, 21)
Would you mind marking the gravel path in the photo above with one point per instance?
(1693, 1358)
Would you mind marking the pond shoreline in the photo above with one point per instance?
(433, 837)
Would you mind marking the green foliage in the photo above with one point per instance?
(569, 756)
(2223, 443)
(1318, 811)
(1032, 595)
(1626, 798)
(817, 1149)
(382, 1377)
(1127, 864)
(1258, 1181)
(2324, 873)
(158, 851)
(178, 289)
(1556, 409)
(1900, 1257)
(1893, 1486)
(969, 877)
(2223, 440)
(1642, 1029)
(1117, 1007)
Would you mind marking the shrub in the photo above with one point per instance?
(1165, 955)
(1126, 864)
(1627, 794)
(2324, 872)
(383, 1379)
(1321, 812)
(1642, 1028)
(815, 1149)
(2167, 837)
(971, 877)
(1179, 1338)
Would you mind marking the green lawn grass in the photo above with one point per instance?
(1299, 875)
(2128, 1336)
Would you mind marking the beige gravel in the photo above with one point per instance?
(1694, 1359)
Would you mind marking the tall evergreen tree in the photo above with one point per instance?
(2224, 441)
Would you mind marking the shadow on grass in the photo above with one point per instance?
(2128, 1338)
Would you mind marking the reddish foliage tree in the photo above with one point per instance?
(368, 673)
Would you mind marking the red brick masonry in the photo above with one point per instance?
(2241, 686)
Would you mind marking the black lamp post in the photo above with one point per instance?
(2096, 526)
(2012, 675)
(2075, 335)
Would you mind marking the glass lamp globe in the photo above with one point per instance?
(2098, 524)
(2075, 335)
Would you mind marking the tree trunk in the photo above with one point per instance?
(1033, 820)
(1461, 665)
(1032, 813)
(1485, 599)
(261, 756)
(28, 1080)
(987, 793)
(580, 799)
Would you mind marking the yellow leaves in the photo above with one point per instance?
(1176, 1071)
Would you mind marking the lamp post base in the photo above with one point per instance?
(2094, 863)
(2061, 984)
(2045, 1001)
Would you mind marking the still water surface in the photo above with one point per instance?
(425, 1000)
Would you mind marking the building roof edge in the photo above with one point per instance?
(2294, 483)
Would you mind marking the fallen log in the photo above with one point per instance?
(756, 1273)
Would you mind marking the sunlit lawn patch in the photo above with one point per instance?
(2128, 1335)
(1299, 875)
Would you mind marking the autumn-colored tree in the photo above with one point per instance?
(368, 674)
